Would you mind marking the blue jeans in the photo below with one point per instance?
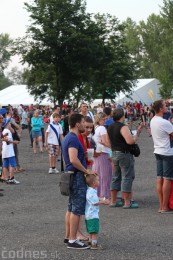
(77, 198)
(124, 172)
(164, 166)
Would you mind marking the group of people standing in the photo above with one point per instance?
(100, 182)
(96, 180)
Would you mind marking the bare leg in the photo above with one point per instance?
(34, 145)
(113, 196)
(11, 170)
(74, 223)
(159, 184)
(4, 173)
(80, 235)
(67, 224)
(127, 198)
(166, 188)
(40, 143)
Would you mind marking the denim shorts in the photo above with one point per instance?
(9, 162)
(36, 134)
(77, 198)
(164, 166)
(124, 172)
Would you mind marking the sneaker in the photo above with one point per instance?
(96, 247)
(77, 245)
(51, 170)
(66, 241)
(12, 181)
(55, 170)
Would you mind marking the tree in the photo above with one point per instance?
(64, 42)
(16, 76)
(116, 68)
(5, 54)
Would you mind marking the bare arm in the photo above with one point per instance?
(105, 140)
(129, 138)
(73, 153)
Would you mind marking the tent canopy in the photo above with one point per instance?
(146, 91)
(19, 94)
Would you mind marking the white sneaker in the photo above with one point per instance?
(50, 170)
(13, 181)
(56, 171)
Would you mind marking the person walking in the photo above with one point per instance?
(162, 133)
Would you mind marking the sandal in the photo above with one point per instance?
(168, 211)
(117, 204)
(131, 206)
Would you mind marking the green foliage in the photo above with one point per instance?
(4, 81)
(71, 53)
(155, 55)
(116, 68)
(5, 45)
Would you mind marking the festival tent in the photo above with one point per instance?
(19, 94)
(146, 91)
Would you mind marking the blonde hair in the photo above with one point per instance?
(90, 179)
(98, 117)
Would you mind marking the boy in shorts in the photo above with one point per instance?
(92, 210)
(8, 156)
(53, 136)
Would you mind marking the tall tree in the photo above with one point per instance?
(5, 54)
(63, 41)
(116, 67)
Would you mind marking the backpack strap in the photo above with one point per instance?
(55, 131)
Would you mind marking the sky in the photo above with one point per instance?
(14, 18)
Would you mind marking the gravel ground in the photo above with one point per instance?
(32, 215)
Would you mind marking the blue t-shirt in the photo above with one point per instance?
(71, 141)
(109, 121)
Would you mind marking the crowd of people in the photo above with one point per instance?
(69, 133)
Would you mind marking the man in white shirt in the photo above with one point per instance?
(85, 112)
(162, 132)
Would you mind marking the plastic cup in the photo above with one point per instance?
(134, 132)
(90, 153)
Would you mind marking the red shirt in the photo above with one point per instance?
(81, 139)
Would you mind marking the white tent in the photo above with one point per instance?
(146, 91)
(19, 94)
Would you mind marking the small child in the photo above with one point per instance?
(53, 136)
(92, 210)
(8, 156)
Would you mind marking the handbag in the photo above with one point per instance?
(65, 183)
(134, 149)
(15, 136)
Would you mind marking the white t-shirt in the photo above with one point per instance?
(99, 131)
(90, 114)
(91, 211)
(161, 130)
(7, 149)
(52, 138)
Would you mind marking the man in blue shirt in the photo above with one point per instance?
(74, 157)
